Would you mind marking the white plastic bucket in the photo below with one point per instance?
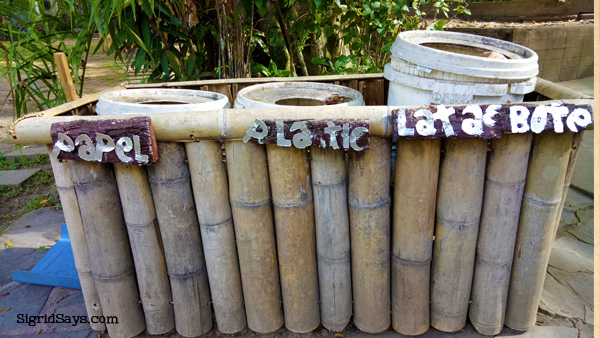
(293, 94)
(433, 67)
(152, 101)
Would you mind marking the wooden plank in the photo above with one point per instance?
(349, 83)
(65, 76)
(78, 103)
(235, 88)
(128, 141)
(488, 121)
(254, 80)
(372, 92)
(224, 89)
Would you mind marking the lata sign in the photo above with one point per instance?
(338, 134)
(128, 141)
(489, 121)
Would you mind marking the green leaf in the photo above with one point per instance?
(174, 63)
(356, 46)
(190, 63)
(320, 61)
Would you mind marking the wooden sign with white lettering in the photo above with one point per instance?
(489, 121)
(128, 141)
(338, 134)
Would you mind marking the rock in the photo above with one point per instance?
(567, 218)
(577, 201)
(589, 315)
(26, 299)
(585, 330)
(582, 283)
(585, 214)
(546, 320)
(16, 177)
(545, 332)
(585, 232)
(558, 300)
(569, 254)
(43, 229)
(27, 152)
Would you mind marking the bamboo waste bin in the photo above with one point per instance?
(302, 235)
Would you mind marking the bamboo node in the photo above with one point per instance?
(381, 204)
(407, 262)
(11, 128)
(540, 202)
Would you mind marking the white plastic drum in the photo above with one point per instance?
(294, 94)
(433, 67)
(152, 101)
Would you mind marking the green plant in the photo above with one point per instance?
(270, 71)
(34, 35)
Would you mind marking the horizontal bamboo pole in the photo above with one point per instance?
(291, 189)
(70, 207)
(505, 180)
(415, 188)
(174, 203)
(555, 91)
(328, 170)
(255, 237)
(146, 246)
(369, 209)
(542, 197)
(108, 246)
(209, 182)
(458, 210)
(230, 124)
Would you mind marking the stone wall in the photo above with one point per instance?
(566, 51)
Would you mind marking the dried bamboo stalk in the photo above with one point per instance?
(108, 246)
(148, 254)
(577, 139)
(415, 188)
(253, 221)
(458, 210)
(369, 206)
(542, 197)
(505, 179)
(70, 207)
(174, 203)
(328, 170)
(289, 175)
(209, 182)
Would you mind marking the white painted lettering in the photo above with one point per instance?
(355, 135)
(254, 133)
(63, 143)
(579, 116)
(490, 112)
(425, 127)
(122, 146)
(539, 119)
(302, 139)
(401, 122)
(332, 130)
(281, 140)
(518, 119)
(473, 126)
(443, 114)
(558, 112)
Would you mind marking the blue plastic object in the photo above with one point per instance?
(56, 268)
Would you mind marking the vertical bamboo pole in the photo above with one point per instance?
(289, 175)
(70, 207)
(577, 139)
(415, 188)
(174, 203)
(148, 254)
(505, 179)
(460, 195)
(255, 238)
(543, 191)
(333, 236)
(108, 246)
(369, 206)
(209, 182)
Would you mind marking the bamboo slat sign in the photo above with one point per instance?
(412, 242)
(289, 175)
(174, 203)
(255, 238)
(369, 210)
(129, 141)
(146, 246)
(542, 196)
(328, 170)
(209, 182)
(70, 207)
(505, 179)
(458, 210)
(108, 246)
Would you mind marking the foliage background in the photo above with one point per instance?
(176, 40)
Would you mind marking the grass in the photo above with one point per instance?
(23, 163)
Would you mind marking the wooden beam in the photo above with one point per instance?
(65, 76)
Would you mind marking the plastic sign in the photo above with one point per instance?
(489, 121)
(338, 134)
(128, 141)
